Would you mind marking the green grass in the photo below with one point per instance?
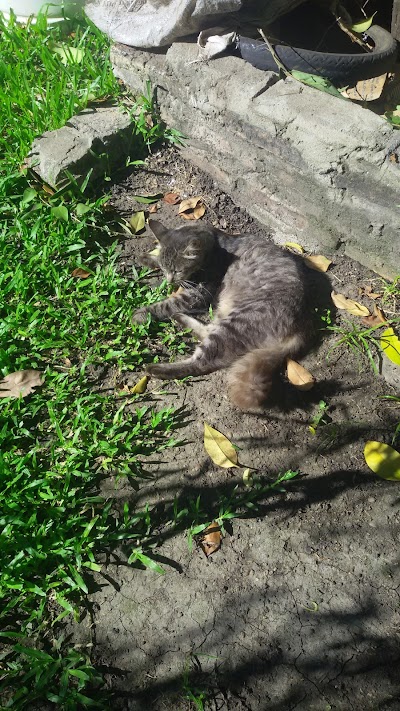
(80, 427)
(58, 443)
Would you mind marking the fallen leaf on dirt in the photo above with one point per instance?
(352, 307)
(141, 386)
(247, 477)
(80, 273)
(299, 376)
(219, 448)
(192, 209)
(21, 383)
(211, 539)
(147, 199)
(296, 247)
(155, 252)
(172, 198)
(318, 262)
(383, 460)
(377, 318)
(137, 222)
(367, 291)
(153, 209)
(390, 345)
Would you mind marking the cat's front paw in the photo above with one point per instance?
(140, 315)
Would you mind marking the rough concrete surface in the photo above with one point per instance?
(313, 167)
(97, 139)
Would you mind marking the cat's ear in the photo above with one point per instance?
(193, 249)
(159, 231)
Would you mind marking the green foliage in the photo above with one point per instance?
(316, 82)
(58, 443)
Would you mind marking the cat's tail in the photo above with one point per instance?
(250, 377)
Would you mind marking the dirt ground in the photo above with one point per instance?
(300, 608)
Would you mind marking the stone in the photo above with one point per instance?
(96, 140)
(313, 168)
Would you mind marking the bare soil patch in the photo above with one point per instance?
(300, 607)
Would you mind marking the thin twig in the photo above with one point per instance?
(274, 54)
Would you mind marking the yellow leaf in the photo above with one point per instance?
(141, 386)
(390, 345)
(299, 376)
(155, 252)
(352, 307)
(137, 222)
(383, 460)
(364, 25)
(318, 262)
(247, 477)
(192, 209)
(220, 449)
(295, 246)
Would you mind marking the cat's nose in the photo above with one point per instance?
(170, 277)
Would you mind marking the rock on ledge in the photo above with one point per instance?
(96, 139)
(306, 164)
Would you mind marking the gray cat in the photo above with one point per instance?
(258, 294)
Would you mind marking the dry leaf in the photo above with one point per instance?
(137, 222)
(352, 307)
(383, 460)
(220, 449)
(192, 209)
(141, 386)
(21, 383)
(172, 198)
(318, 262)
(247, 477)
(155, 252)
(366, 89)
(296, 247)
(299, 376)
(211, 538)
(377, 318)
(390, 345)
(80, 273)
(367, 291)
(153, 209)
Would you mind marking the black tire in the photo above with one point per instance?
(340, 69)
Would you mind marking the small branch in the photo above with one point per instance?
(274, 54)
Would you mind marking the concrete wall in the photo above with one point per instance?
(310, 166)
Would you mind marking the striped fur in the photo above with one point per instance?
(258, 294)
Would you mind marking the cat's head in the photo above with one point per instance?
(184, 250)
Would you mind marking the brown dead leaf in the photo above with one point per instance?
(192, 209)
(367, 291)
(172, 198)
(366, 89)
(299, 376)
(153, 209)
(377, 318)
(80, 273)
(21, 383)
(352, 307)
(318, 262)
(210, 539)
